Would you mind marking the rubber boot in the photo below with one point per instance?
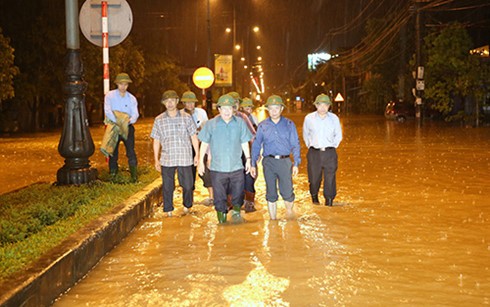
(221, 217)
(249, 204)
(272, 210)
(134, 173)
(113, 174)
(235, 214)
(289, 209)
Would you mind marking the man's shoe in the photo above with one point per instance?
(249, 206)
(134, 174)
(186, 210)
(221, 217)
(329, 202)
(314, 199)
(235, 215)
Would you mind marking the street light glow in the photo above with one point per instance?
(258, 47)
(237, 47)
(228, 30)
(256, 29)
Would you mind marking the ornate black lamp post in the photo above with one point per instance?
(76, 144)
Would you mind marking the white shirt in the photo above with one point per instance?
(322, 132)
(200, 117)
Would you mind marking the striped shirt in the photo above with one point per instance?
(174, 135)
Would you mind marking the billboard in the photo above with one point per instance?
(223, 70)
(317, 58)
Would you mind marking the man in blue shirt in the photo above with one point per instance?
(123, 101)
(278, 138)
(227, 137)
(322, 134)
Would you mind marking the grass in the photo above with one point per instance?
(38, 218)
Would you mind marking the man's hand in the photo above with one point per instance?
(196, 160)
(200, 168)
(158, 167)
(247, 166)
(253, 172)
(295, 171)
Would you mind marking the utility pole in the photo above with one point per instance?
(419, 72)
(208, 21)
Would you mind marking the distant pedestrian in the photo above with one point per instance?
(122, 102)
(322, 134)
(174, 136)
(227, 138)
(247, 107)
(200, 117)
(278, 138)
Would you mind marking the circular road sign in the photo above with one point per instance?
(203, 77)
(119, 21)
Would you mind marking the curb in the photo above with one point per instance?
(65, 265)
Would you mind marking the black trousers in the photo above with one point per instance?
(130, 152)
(322, 163)
(184, 175)
(228, 183)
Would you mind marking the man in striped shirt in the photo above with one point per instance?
(174, 134)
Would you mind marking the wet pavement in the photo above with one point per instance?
(409, 227)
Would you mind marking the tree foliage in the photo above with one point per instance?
(8, 70)
(452, 73)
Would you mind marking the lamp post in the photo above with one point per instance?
(76, 144)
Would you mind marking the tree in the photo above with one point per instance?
(8, 70)
(453, 75)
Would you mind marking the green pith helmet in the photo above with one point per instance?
(169, 94)
(188, 96)
(122, 77)
(247, 102)
(235, 96)
(322, 98)
(226, 101)
(274, 100)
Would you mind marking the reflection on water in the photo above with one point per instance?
(409, 226)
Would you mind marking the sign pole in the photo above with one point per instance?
(105, 47)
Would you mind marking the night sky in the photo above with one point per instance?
(289, 29)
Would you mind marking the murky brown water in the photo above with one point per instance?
(410, 226)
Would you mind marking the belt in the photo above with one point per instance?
(278, 157)
(322, 149)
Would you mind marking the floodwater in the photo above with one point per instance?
(409, 226)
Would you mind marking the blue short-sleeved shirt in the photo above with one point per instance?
(225, 142)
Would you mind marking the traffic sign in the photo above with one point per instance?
(203, 77)
(339, 98)
(120, 21)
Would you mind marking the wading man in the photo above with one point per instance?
(278, 138)
(322, 134)
(227, 137)
(174, 136)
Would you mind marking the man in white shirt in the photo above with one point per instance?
(123, 101)
(322, 134)
(200, 117)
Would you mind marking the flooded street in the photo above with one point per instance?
(409, 226)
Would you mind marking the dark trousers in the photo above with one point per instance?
(227, 183)
(206, 177)
(278, 173)
(184, 175)
(322, 162)
(249, 180)
(130, 152)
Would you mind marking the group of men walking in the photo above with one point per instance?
(232, 144)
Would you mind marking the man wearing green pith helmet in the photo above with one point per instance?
(322, 134)
(227, 137)
(122, 101)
